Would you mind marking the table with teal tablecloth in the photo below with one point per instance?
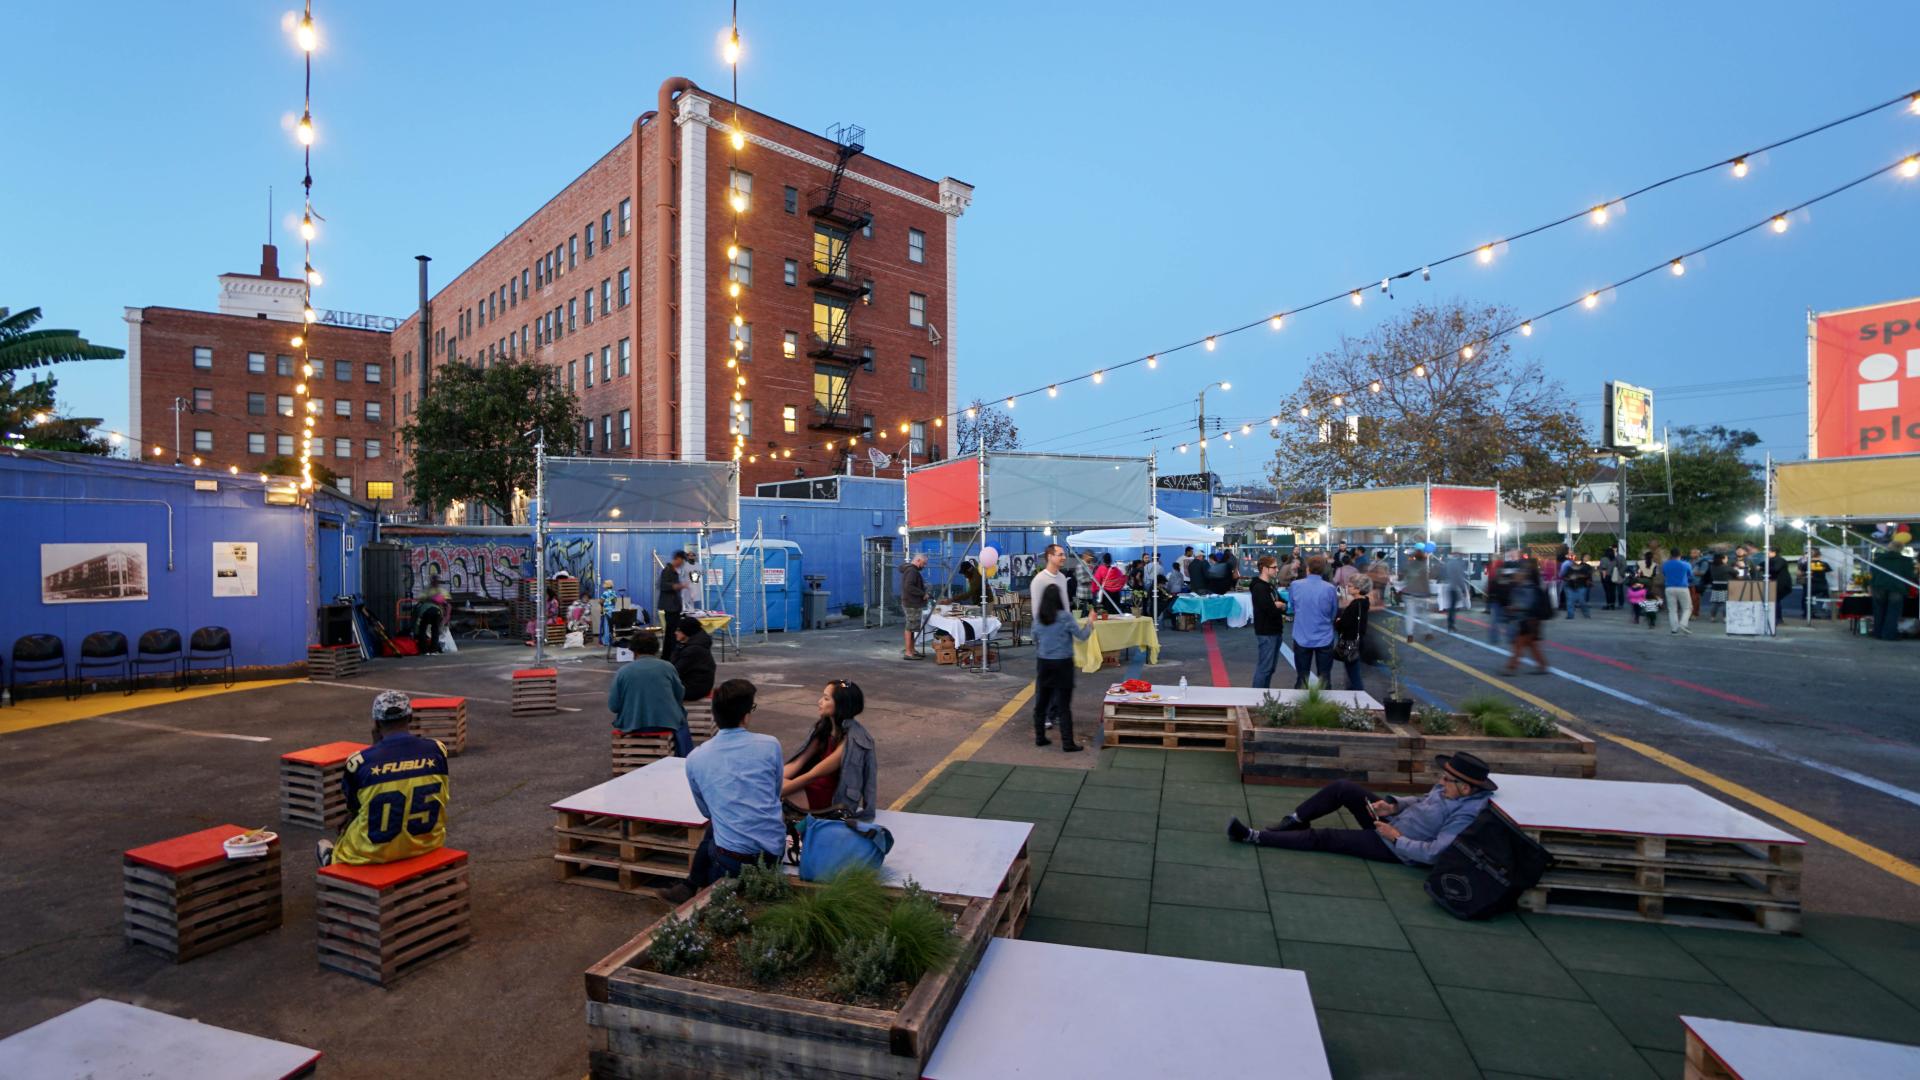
(1235, 608)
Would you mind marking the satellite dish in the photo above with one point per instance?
(878, 457)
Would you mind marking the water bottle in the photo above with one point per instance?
(1183, 686)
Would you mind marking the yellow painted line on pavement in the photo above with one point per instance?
(43, 712)
(1852, 845)
(969, 746)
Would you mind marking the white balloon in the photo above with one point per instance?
(988, 556)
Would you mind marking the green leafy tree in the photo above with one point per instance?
(990, 423)
(288, 465)
(1714, 485)
(1492, 418)
(30, 414)
(472, 438)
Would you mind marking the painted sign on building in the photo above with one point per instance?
(1863, 380)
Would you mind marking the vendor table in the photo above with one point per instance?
(963, 629)
(111, 1038)
(1038, 1009)
(635, 833)
(1112, 635)
(1654, 852)
(1725, 1050)
(1235, 607)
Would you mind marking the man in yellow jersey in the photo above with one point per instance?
(396, 791)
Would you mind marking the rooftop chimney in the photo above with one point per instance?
(269, 261)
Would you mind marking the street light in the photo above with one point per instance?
(1202, 424)
(1754, 520)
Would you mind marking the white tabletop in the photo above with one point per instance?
(1632, 807)
(1242, 695)
(656, 791)
(1758, 1052)
(955, 855)
(1035, 1009)
(954, 625)
(105, 1038)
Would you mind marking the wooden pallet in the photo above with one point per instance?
(700, 720)
(188, 907)
(381, 922)
(1018, 891)
(1568, 754)
(1383, 761)
(1174, 727)
(632, 750)
(310, 785)
(333, 661)
(536, 690)
(1677, 880)
(623, 854)
(444, 719)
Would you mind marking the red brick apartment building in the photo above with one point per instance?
(233, 373)
(619, 283)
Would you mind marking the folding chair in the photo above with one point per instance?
(211, 644)
(39, 652)
(108, 649)
(162, 647)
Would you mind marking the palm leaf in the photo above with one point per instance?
(21, 350)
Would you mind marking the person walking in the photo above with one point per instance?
(1455, 595)
(1269, 620)
(1529, 605)
(1350, 629)
(913, 604)
(1315, 603)
(1054, 631)
(1416, 591)
(1578, 578)
(1677, 575)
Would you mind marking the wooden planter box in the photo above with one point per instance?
(1569, 754)
(645, 1024)
(1383, 759)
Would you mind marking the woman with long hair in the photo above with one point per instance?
(1054, 629)
(836, 767)
(1351, 626)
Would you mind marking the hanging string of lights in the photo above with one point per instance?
(1598, 214)
(308, 40)
(739, 201)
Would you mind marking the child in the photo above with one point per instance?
(1637, 599)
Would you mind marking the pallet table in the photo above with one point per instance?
(333, 661)
(1725, 1050)
(1130, 1014)
(1663, 853)
(381, 921)
(1198, 718)
(310, 791)
(635, 833)
(536, 690)
(442, 718)
(112, 1038)
(185, 898)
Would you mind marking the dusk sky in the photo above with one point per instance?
(1145, 173)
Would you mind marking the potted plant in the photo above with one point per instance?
(1399, 707)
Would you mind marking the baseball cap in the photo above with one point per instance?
(391, 707)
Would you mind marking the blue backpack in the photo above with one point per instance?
(828, 846)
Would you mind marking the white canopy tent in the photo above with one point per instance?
(1170, 529)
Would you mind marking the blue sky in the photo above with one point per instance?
(1145, 173)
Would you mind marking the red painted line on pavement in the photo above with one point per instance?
(1214, 660)
(1624, 666)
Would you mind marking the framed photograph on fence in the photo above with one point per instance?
(92, 573)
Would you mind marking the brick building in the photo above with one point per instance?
(233, 373)
(619, 284)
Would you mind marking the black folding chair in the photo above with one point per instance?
(39, 653)
(622, 627)
(105, 649)
(211, 645)
(162, 647)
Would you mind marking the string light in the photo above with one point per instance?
(1678, 267)
(1913, 103)
(1210, 344)
(1052, 391)
(1526, 328)
(1246, 429)
(308, 39)
(732, 48)
(1419, 371)
(304, 132)
(1598, 215)
(1010, 403)
(1339, 400)
(1374, 386)
(1098, 375)
(1910, 168)
(1591, 300)
(1739, 168)
(1486, 253)
(1182, 448)
(971, 413)
(1779, 223)
(1305, 411)
(304, 33)
(1153, 362)
(1355, 297)
(1274, 322)
(1466, 352)
(739, 139)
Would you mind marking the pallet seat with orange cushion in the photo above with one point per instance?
(443, 718)
(381, 921)
(185, 898)
(310, 791)
(536, 690)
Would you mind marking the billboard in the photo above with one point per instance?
(1863, 380)
(1628, 424)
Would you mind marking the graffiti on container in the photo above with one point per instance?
(486, 569)
(575, 557)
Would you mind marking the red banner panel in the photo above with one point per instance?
(1451, 507)
(947, 494)
(1864, 373)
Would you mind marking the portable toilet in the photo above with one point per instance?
(746, 570)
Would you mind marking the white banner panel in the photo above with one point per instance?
(618, 493)
(1067, 490)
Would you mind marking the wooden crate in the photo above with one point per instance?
(1018, 891)
(442, 718)
(645, 1024)
(700, 723)
(1185, 620)
(631, 750)
(382, 921)
(623, 854)
(333, 661)
(185, 898)
(536, 690)
(1570, 754)
(310, 785)
(944, 652)
(1173, 726)
(1382, 760)
(1701, 1064)
(1675, 880)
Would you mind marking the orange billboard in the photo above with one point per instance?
(1863, 380)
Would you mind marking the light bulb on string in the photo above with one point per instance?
(1246, 429)
(1273, 421)
(1913, 104)
(1374, 386)
(1305, 411)
(1355, 297)
(1426, 273)
(1383, 286)
(1339, 400)
(733, 252)
(786, 453)
(1210, 343)
(1679, 268)
(311, 316)
(738, 201)
(1910, 168)
(1419, 371)
(299, 388)
(1053, 391)
(1598, 215)
(731, 50)
(1227, 435)
(1739, 168)
(739, 139)
(306, 227)
(234, 470)
(971, 413)
(1203, 444)
(1153, 361)
(1099, 375)
(1485, 253)
(1591, 301)
(1779, 223)
(738, 319)
(1010, 403)
(1466, 352)
(733, 289)
(313, 277)
(1182, 448)
(1275, 322)
(732, 363)
(939, 421)
(196, 462)
(1526, 328)
(156, 451)
(304, 130)
(304, 34)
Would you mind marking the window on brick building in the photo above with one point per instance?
(793, 200)
(866, 296)
(917, 372)
(606, 363)
(342, 448)
(480, 313)
(202, 440)
(830, 251)
(513, 292)
(572, 371)
(789, 344)
(343, 484)
(606, 430)
(203, 357)
(256, 404)
(740, 267)
(319, 367)
(626, 357)
(744, 335)
(540, 272)
(789, 419)
(284, 404)
(589, 232)
(373, 448)
(371, 410)
(586, 434)
(606, 229)
(573, 314)
(202, 399)
(524, 291)
(626, 216)
(606, 296)
(916, 246)
(256, 363)
(917, 441)
(588, 306)
(830, 390)
(573, 252)
(740, 184)
(343, 370)
(283, 445)
(626, 288)
(866, 358)
(283, 365)
(343, 408)
(866, 427)
(406, 403)
(791, 275)
(626, 428)
(916, 309)
(256, 442)
(373, 373)
(523, 337)
(829, 318)
(742, 418)
(588, 364)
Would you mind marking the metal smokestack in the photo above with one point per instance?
(425, 325)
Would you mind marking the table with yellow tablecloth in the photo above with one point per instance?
(1112, 635)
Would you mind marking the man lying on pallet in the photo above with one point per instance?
(1412, 831)
(396, 792)
(735, 777)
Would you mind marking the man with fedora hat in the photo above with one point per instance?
(1402, 830)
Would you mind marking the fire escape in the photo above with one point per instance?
(838, 286)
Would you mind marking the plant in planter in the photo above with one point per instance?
(680, 944)
(1491, 716)
(1435, 720)
(1356, 719)
(1399, 707)
(1535, 724)
(1271, 711)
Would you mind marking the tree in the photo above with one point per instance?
(472, 438)
(1714, 486)
(989, 422)
(1490, 419)
(288, 465)
(29, 414)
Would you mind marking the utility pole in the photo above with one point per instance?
(540, 547)
(180, 405)
(1205, 475)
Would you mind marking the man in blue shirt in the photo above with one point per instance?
(1314, 602)
(1413, 831)
(646, 695)
(1677, 573)
(735, 777)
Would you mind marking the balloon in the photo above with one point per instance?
(989, 557)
